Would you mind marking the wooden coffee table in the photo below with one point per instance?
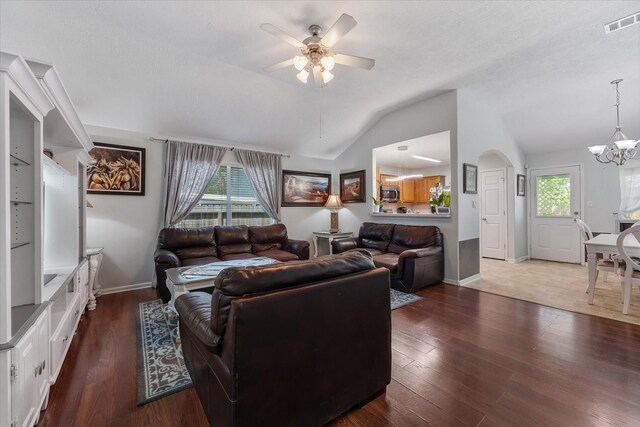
(182, 280)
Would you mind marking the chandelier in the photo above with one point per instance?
(619, 148)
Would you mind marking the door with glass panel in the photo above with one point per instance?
(555, 200)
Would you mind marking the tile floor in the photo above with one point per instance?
(556, 285)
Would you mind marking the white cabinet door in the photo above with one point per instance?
(555, 203)
(42, 338)
(24, 357)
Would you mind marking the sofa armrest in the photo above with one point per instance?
(163, 256)
(346, 244)
(297, 247)
(194, 309)
(420, 252)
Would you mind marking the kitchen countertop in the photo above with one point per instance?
(411, 215)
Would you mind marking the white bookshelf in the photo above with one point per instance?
(42, 226)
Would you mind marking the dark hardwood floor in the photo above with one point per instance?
(460, 358)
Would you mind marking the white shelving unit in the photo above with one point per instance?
(43, 271)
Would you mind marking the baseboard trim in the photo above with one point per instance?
(517, 260)
(125, 288)
(462, 282)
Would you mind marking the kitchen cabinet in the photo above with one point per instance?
(421, 190)
(432, 183)
(407, 193)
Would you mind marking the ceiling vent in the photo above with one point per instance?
(619, 24)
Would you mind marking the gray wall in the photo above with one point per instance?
(433, 115)
(127, 226)
(601, 185)
(480, 129)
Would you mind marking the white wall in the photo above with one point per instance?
(127, 226)
(480, 129)
(601, 185)
(433, 115)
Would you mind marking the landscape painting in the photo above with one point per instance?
(116, 169)
(305, 188)
(352, 187)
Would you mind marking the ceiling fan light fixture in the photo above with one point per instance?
(300, 62)
(328, 62)
(303, 76)
(327, 76)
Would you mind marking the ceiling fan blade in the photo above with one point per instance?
(317, 77)
(354, 61)
(279, 65)
(275, 31)
(343, 25)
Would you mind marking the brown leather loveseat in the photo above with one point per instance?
(414, 254)
(293, 344)
(180, 247)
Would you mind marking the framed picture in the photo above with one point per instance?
(469, 178)
(352, 187)
(305, 188)
(116, 169)
(522, 181)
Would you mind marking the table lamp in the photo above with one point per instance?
(334, 203)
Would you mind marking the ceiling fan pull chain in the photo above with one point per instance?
(321, 99)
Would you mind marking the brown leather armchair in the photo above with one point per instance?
(180, 247)
(413, 254)
(293, 344)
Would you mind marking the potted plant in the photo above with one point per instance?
(435, 201)
(377, 204)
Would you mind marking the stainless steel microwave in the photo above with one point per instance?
(389, 193)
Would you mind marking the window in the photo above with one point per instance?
(229, 200)
(554, 195)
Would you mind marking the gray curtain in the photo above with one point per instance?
(264, 171)
(188, 170)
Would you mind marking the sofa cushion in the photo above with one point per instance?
(388, 261)
(196, 252)
(236, 282)
(242, 255)
(232, 239)
(266, 237)
(371, 251)
(413, 237)
(375, 236)
(176, 238)
(278, 254)
(199, 261)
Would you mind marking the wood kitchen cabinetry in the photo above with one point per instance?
(407, 193)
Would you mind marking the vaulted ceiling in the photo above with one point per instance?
(194, 69)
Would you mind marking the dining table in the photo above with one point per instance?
(605, 244)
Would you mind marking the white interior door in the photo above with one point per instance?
(555, 196)
(493, 213)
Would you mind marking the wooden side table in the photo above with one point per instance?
(95, 260)
(330, 238)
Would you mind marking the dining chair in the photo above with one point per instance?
(630, 270)
(605, 265)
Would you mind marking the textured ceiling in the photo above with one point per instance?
(194, 70)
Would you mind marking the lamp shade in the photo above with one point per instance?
(597, 149)
(333, 202)
(626, 144)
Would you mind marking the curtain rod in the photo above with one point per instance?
(230, 148)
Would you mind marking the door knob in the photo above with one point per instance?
(484, 219)
(576, 212)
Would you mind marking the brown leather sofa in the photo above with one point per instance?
(413, 254)
(179, 247)
(294, 344)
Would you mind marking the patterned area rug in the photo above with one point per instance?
(161, 370)
(400, 299)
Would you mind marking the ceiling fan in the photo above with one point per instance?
(315, 56)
